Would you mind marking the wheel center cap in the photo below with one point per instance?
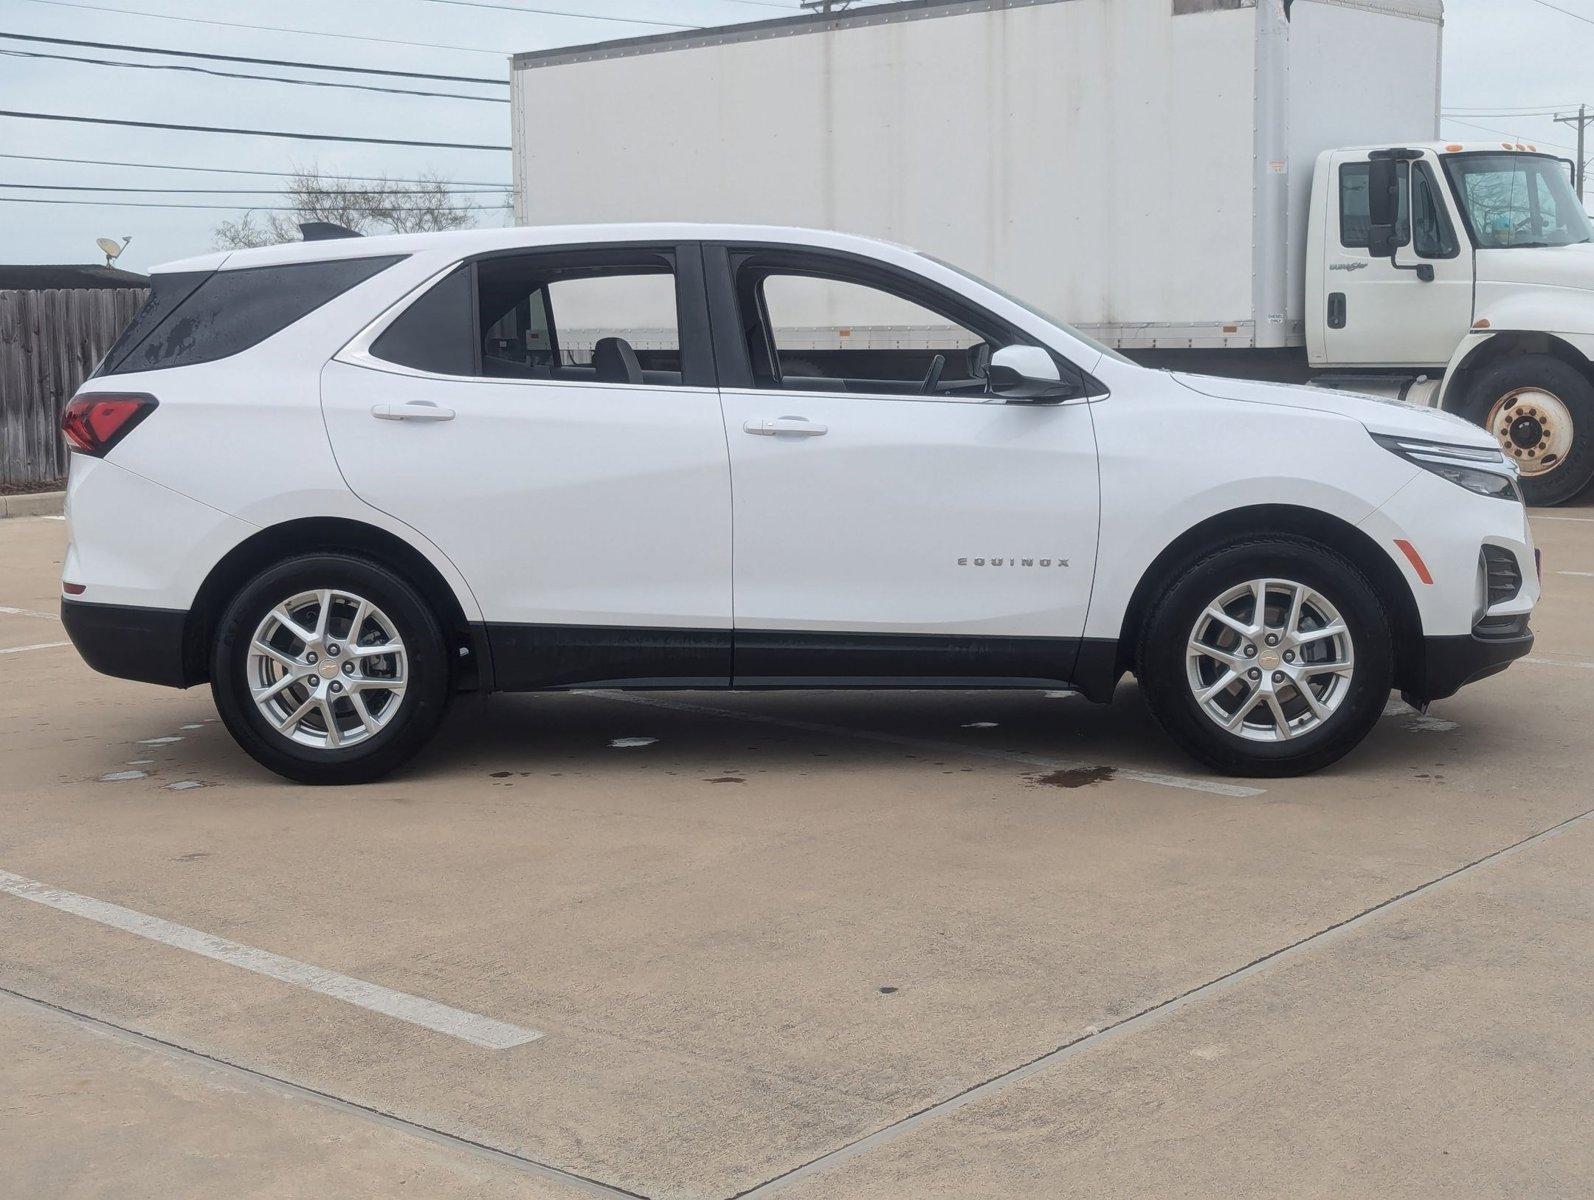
(1527, 432)
(1269, 660)
(328, 670)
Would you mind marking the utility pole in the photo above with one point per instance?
(1582, 122)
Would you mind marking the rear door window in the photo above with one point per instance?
(227, 312)
(598, 315)
(608, 317)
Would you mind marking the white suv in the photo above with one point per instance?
(345, 479)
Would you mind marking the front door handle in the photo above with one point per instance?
(415, 410)
(796, 426)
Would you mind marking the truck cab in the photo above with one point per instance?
(1462, 274)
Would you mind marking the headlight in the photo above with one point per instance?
(1485, 472)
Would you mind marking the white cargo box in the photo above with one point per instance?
(1140, 168)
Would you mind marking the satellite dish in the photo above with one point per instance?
(111, 249)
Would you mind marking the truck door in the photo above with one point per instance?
(1378, 312)
(893, 520)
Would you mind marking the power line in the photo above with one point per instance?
(113, 162)
(260, 62)
(1506, 112)
(323, 83)
(149, 204)
(1566, 11)
(1515, 137)
(350, 37)
(328, 191)
(273, 133)
(554, 12)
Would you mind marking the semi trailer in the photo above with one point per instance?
(1251, 188)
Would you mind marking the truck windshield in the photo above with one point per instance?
(1518, 200)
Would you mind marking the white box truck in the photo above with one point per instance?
(1241, 187)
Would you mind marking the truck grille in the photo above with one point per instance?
(1503, 575)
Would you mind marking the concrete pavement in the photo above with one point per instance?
(788, 923)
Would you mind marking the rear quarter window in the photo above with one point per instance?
(226, 312)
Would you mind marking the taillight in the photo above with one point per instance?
(95, 421)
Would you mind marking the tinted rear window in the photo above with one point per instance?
(226, 312)
(166, 292)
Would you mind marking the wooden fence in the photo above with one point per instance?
(49, 342)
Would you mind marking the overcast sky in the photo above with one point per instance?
(1499, 54)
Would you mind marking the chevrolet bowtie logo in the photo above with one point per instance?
(1012, 562)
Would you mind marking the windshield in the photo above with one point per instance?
(1516, 200)
(1029, 308)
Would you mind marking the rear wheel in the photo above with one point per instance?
(1267, 657)
(329, 668)
(1542, 413)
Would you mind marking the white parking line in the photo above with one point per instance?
(1583, 520)
(1554, 662)
(35, 646)
(28, 612)
(1578, 574)
(416, 1010)
(1051, 764)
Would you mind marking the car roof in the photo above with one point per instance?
(463, 242)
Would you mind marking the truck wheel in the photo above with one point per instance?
(1542, 412)
(1267, 657)
(329, 668)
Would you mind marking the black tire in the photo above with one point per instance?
(1164, 637)
(422, 705)
(1576, 469)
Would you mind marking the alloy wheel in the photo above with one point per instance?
(327, 669)
(1270, 660)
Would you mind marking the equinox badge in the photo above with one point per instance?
(1012, 562)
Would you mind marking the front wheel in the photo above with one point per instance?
(1267, 657)
(329, 668)
(1541, 411)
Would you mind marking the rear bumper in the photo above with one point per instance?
(1450, 663)
(130, 642)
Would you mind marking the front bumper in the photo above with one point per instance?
(1450, 663)
(130, 642)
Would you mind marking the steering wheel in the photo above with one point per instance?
(932, 377)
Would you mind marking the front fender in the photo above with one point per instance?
(1477, 340)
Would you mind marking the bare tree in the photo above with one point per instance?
(365, 205)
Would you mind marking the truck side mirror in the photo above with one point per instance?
(1383, 207)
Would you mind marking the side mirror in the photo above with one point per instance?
(1028, 375)
(1383, 207)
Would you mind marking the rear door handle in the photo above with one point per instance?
(797, 426)
(415, 410)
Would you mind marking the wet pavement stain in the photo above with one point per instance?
(726, 779)
(1075, 777)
